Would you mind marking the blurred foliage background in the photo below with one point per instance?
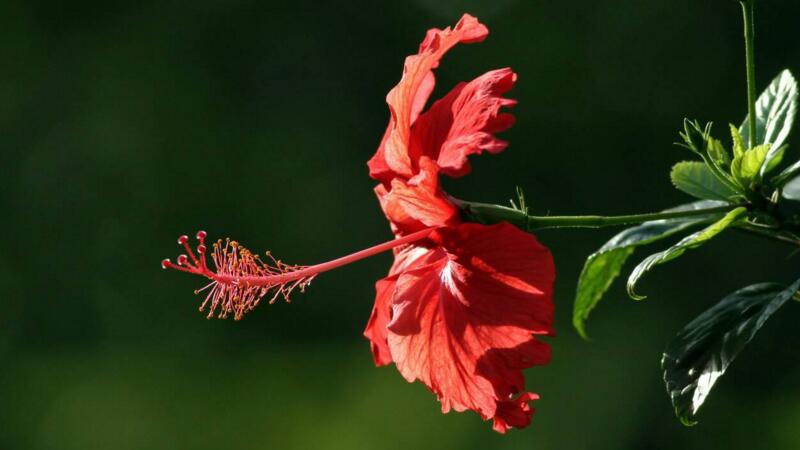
(123, 125)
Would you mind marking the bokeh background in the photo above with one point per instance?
(123, 125)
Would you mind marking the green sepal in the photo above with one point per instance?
(693, 136)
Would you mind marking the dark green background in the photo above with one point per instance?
(125, 125)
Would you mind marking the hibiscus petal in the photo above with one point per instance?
(463, 122)
(409, 96)
(419, 203)
(514, 413)
(464, 319)
(378, 320)
(376, 329)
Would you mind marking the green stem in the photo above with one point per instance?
(488, 213)
(720, 175)
(785, 238)
(749, 31)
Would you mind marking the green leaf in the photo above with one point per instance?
(777, 157)
(694, 240)
(746, 168)
(696, 179)
(786, 175)
(738, 143)
(717, 152)
(603, 266)
(703, 350)
(775, 111)
(599, 271)
(791, 190)
(693, 136)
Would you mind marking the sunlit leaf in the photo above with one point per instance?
(738, 143)
(775, 111)
(791, 190)
(603, 266)
(703, 350)
(696, 179)
(746, 167)
(694, 240)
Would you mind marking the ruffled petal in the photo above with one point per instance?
(418, 203)
(514, 413)
(464, 318)
(379, 319)
(409, 96)
(376, 329)
(464, 122)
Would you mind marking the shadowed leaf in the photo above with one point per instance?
(603, 266)
(694, 240)
(703, 350)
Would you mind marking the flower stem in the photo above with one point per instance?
(488, 213)
(749, 48)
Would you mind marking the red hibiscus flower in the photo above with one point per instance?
(463, 302)
(459, 310)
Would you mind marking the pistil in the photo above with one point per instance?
(242, 279)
